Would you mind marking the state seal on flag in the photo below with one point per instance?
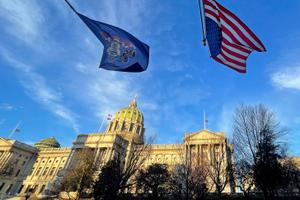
(117, 49)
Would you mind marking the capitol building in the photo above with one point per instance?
(24, 167)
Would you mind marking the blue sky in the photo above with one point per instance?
(51, 81)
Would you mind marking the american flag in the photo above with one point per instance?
(230, 40)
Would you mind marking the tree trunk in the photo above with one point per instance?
(219, 192)
(265, 192)
(246, 195)
(155, 192)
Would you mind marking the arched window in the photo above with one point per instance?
(110, 125)
(138, 129)
(123, 127)
(116, 125)
(130, 127)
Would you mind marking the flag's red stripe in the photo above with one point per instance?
(233, 61)
(229, 33)
(233, 53)
(239, 47)
(212, 13)
(242, 24)
(210, 4)
(239, 32)
(238, 70)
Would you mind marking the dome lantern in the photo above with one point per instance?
(133, 103)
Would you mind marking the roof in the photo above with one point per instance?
(47, 143)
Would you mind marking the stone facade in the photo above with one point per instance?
(40, 166)
(48, 165)
(16, 161)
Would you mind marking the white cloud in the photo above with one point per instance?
(24, 19)
(36, 87)
(287, 78)
(226, 118)
(6, 106)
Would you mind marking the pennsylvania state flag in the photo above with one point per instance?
(122, 51)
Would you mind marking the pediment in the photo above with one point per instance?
(5, 142)
(205, 135)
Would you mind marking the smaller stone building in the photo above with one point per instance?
(16, 161)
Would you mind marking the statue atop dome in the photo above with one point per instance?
(133, 103)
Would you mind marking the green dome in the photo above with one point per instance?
(130, 113)
(129, 122)
(47, 143)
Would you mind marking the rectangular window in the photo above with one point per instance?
(8, 189)
(59, 169)
(27, 189)
(1, 186)
(20, 190)
(34, 188)
(42, 188)
(18, 172)
(38, 171)
(52, 171)
(32, 170)
(45, 171)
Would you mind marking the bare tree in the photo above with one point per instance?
(197, 178)
(256, 141)
(244, 175)
(127, 169)
(191, 174)
(80, 176)
(248, 125)
(291, 181)
(219, 169)
(136, 157)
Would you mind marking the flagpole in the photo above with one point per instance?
(202, 19)
(70, 5)
(14, 130)
(204, 120)
(101, 124)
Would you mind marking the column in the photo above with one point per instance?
(198, 154)
(70, 158)
(3, 156)
(6, 159)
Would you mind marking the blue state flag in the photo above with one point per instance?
(122, 51)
